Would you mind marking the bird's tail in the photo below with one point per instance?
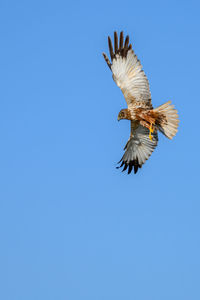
(167, 119)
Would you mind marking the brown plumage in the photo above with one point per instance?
(145, 121)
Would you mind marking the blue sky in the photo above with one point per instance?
(71, 225)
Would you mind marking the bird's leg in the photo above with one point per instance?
(151, 131)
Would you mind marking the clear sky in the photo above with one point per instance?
(72, 226)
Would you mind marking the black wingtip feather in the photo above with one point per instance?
(132, 165)
(125, 167)
(121, 40)
(120, 47)
(126, 42)
(110, 48)
(116, 41)
(120, 165)
(135, 169)
(130, 168)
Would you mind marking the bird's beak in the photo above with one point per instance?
(118, 118)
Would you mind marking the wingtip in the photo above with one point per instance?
(135, 169)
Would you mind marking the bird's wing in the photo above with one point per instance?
(138, 148)
(127, 72)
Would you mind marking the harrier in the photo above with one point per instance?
(128, 74)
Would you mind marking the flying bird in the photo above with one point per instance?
(128, 74)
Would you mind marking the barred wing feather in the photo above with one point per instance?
(128, 73)
(139, 148)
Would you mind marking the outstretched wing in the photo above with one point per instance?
(138, 148)
(127, 72)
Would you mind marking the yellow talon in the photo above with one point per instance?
(150, 132)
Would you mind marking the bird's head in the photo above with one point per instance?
(124, 114)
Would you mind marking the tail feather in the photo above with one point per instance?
(167, 120)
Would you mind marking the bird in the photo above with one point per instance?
(145, 121)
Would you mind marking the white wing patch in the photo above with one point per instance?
(131, 79)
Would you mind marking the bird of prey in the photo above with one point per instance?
(129, 76)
